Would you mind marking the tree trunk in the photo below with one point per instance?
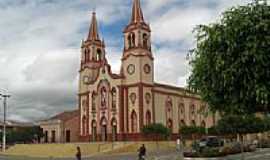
(242, 147)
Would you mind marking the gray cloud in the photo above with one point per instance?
(40, 42)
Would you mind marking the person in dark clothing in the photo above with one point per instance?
(78, 154)
(142, 152)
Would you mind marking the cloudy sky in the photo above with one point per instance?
(40, 45)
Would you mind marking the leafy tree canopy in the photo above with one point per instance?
(233, 124)
(231, 62)
(23, 135)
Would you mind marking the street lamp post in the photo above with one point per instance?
(5, 97)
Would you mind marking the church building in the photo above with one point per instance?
(115, 107)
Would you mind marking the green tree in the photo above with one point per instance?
(231, 61)
(237, 124)
(24, 135)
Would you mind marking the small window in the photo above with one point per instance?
(93, 102)
(129, 41)
(133, 39)
(192, 109)
(113, 98)
(145, 40)
(98, 55)
(87, 55)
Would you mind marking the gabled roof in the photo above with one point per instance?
(65, 115)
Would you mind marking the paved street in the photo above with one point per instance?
(258, 155)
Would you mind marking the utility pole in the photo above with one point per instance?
(5, 97)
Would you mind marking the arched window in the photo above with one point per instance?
(99, 55)
(192, 110)
(134, 122)
(87, 55)
(103, 97)
(93, 102)
(84, 106)
(132, 40)
(203, 124)
(129, 41)
(113, 98)
(145, 40)
(169, 106)
(148, 117)
(181, 110)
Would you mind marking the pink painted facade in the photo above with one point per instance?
(117, 106)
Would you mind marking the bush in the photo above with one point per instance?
(188, 130)
(157, 130)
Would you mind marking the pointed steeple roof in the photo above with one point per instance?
(93, 31)
(137, 14)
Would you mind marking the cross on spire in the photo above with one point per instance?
(93, 31)
(137, 14)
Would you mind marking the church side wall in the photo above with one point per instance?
(168, 109)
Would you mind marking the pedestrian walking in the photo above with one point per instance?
(142, 152)
(178, 145)
(78, 154)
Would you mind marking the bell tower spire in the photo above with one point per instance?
(137, 53)
(93, 31)
(93, 48)
(137, 14)
(137, 33)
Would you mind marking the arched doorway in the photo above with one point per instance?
(182, 123)
(134, 122)
(84, 126)
(114, 129)
(193, 123)
(103, 124)
(203, 124)
(170, 124)
(94, 130)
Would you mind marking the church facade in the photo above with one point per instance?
(117, 106)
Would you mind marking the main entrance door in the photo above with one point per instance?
(104, 133)
(114, 133)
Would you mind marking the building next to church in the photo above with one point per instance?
(61, 128)
(117, 106)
